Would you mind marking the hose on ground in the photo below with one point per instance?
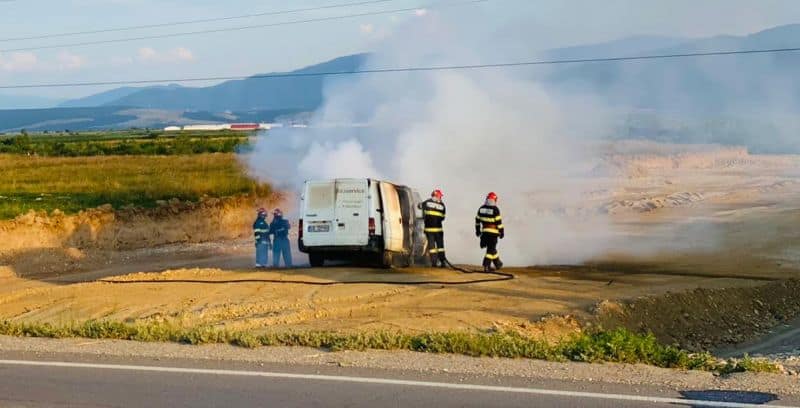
(498, 277)
(501, 276)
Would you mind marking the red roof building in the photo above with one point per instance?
(244, 126)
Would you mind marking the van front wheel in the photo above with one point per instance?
(316, 259)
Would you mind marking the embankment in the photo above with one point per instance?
(50, 242)
(704, 319)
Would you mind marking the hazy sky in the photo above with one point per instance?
(541, 23)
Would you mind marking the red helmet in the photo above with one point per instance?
(262, 211)
(437, 194)
(277, 213)
(491, 196)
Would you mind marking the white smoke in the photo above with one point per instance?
(465, 132)
(327, 160)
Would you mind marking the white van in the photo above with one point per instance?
(362, 220)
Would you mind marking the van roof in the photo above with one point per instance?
(356, 179)
(346, 179)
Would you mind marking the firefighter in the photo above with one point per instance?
(261, 233)
(489, 228)
(433, 210)
(279, 229)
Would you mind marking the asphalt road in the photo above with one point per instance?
(81, 381)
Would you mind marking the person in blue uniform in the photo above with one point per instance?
(281, 247)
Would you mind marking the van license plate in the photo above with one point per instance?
(319, 228)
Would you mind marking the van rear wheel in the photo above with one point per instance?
(316, 259)
(387, 259)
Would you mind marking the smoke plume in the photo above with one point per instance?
(467, 132)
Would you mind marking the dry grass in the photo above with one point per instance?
(73, 184)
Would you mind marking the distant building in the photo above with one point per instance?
(207, 127)
(244, 126)
(239, 127)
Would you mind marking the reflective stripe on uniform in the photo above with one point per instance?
(500, 226)
(492, 257)
(260, 230)
(436, 251)
(434, 213)
(434, 230)
(489, 220)
(491, 230)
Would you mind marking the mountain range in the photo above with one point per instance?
(707, 85)
(110, 97)
(719, 85)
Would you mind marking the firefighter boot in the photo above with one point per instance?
(498, 264)
(434, 261)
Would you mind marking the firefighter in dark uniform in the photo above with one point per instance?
(433, 211)
(489, 228)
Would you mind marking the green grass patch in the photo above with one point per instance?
(74, 184)
(619, 346)
(112, 135)
(122, 143)
(749, 364)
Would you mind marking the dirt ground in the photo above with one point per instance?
(536, 293)
(735, 213)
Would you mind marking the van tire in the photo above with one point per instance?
(387, 259)
(316, 259)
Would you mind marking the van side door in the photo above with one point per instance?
(392, 218)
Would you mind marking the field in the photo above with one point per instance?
(73, 171)
(73, 184)
(124, 142)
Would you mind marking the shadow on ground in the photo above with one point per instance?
(736, 397)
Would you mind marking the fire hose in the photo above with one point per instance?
(497, 277)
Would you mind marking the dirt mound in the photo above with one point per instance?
(653, 203)
(550, 328)
(44, 244)
(777, 186)
(702, 319)
(641, 159)
(6, 272)
(104, 228)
